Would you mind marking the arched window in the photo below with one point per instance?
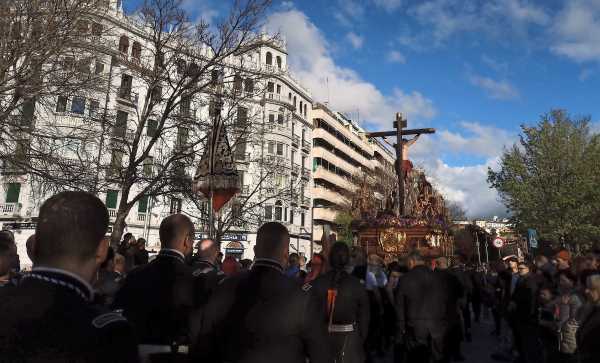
(278, 211)
(136, 51)
(124, 44)
(278, 59)
(269, 58)
(290, 96)
(295, 107)
(300, 107)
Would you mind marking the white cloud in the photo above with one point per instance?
(500, 67)
(446, 18)
(481, 140)
(388, 5)
(395, 56)
(355, 40)
(467, 185)
(348, 12)
(500, 90)
(577, 31)
(312, 63)
(201, 9)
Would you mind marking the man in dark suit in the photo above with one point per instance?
(523, 310)
(262, 316)
(205, 270)
(421, 306)
(49, 316)
(158, 297)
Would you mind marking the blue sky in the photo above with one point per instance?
(473, 69)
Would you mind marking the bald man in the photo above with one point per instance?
(263, 316)
(207, 272)
(158, 297)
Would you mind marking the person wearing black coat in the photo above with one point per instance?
(346, 305)
(589, 320)
(422, 312)
(158, 298)
(262, 316)
(49, 316)
(523, 311)
(456, 294)
(205, 269)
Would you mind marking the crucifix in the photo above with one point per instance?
(402, 145)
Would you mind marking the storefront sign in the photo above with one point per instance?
(18, 226)
(234, 237)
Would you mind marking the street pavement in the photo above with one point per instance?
(480, 349)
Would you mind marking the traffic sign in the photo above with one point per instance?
(498, 242)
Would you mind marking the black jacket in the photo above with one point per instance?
(261, 317)
(49, 318)
(524, 300)
(208, 276)
(421, 299)
(455, 291)
(588, 333)
(351, 307)
(157, 299)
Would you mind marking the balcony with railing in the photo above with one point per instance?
(141, 217)
(295, 168)
(295, 140)
(305, 146)
(244, 190)
(112, 214)
(10, 209)
(242, 157)
(305, 201)
(126, 95)
(305, 173)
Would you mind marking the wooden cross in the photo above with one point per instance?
(399, 125)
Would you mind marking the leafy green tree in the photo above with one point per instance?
(550, 179)
(343, 220)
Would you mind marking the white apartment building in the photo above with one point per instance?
(273, 161)
(340, 152)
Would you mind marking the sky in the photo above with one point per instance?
(473, 69)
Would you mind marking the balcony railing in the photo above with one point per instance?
(295, 140)
(242, 157)
(295, 168)
(141, 217)
(245, 190)
(112, 213)
(273, 96)
(305, 144)
(305, 172)
(10, 209)
(126, 94)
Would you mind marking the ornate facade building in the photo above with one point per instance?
(269, 129)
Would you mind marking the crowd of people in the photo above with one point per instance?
(84, 301)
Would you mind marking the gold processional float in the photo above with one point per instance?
(415, 217)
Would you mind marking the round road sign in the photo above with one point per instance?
(498, 242)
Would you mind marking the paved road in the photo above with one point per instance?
(479, 350)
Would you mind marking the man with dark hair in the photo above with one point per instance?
(49, 316)
(30, 246)
(345, 304)
(421, 306)
(208, 274)
(5, 262)
(141, 255)
(262, 316)
(158, 297)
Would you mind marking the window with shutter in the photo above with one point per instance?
(12, 192)
(143, 204)
(111, 199)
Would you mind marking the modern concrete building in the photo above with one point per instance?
(341, 153)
